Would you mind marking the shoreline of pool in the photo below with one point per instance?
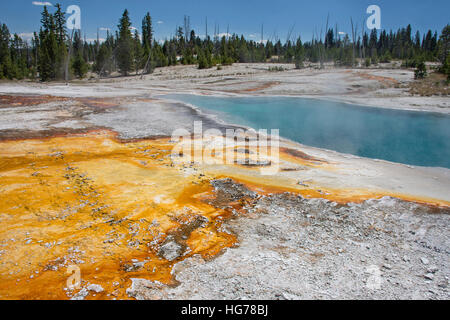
(216, 117)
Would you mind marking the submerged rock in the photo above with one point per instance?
(95, 288)
(171, 250)
(142, 289)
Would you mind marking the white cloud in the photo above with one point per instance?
(104, 29)
(221, 35)
(160, 22)
(39, 3)
(26, 35)
(93, 40)
(342, 33)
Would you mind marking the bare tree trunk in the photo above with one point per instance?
(362, 43)
(66, 73)
(353, 43)
(146, 64)
(326, 34)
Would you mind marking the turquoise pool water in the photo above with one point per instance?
(415, 138)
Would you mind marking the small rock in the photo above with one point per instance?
(429, 276)
(425, 261)
(291, 297)
(433, 269)
(81, 295)
(142, 289)
(96, 288)
(170, 251)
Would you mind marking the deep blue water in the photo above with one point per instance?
(415, 138)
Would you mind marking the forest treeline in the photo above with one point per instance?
(55, 53)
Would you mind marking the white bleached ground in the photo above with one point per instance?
(372, 87)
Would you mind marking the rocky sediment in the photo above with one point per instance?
(296, 248)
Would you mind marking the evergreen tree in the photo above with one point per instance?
(138, 52)
(300, 54)
(48, 48)
(147, 31)
(79, 66)
(18, 58)
(5, 54)
(244, 55)
(103, 62)
(60, 23)
(446, 67)
(35, 55)
(48, 53)
(147, 44)
(125, 52)
(421, 71)
(444, 44)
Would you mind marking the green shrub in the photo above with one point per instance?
(386, 58)
(421, 71)
(227, 61)
(79, 66)
(276, 69)
(445, 69)
(203, 63)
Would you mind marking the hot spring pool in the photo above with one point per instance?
(409, 137)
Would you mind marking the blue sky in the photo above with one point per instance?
(243, 16)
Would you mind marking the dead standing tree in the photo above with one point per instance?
(353, 43)
(187, 27)
(322, 56)
(66, 73)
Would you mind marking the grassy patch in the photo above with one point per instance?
(434, 84)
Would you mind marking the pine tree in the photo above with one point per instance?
(60, 22)
(125, 54)
(147, 31)
(49, 53)
(444, 44)
(421, 71)
(446, 67)
(147, 43)
(138, 52)
(78, 61)
(79, 66)
(5, 54)
(243, 53)
(300, 53)
(18, 58)
(103, 62)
